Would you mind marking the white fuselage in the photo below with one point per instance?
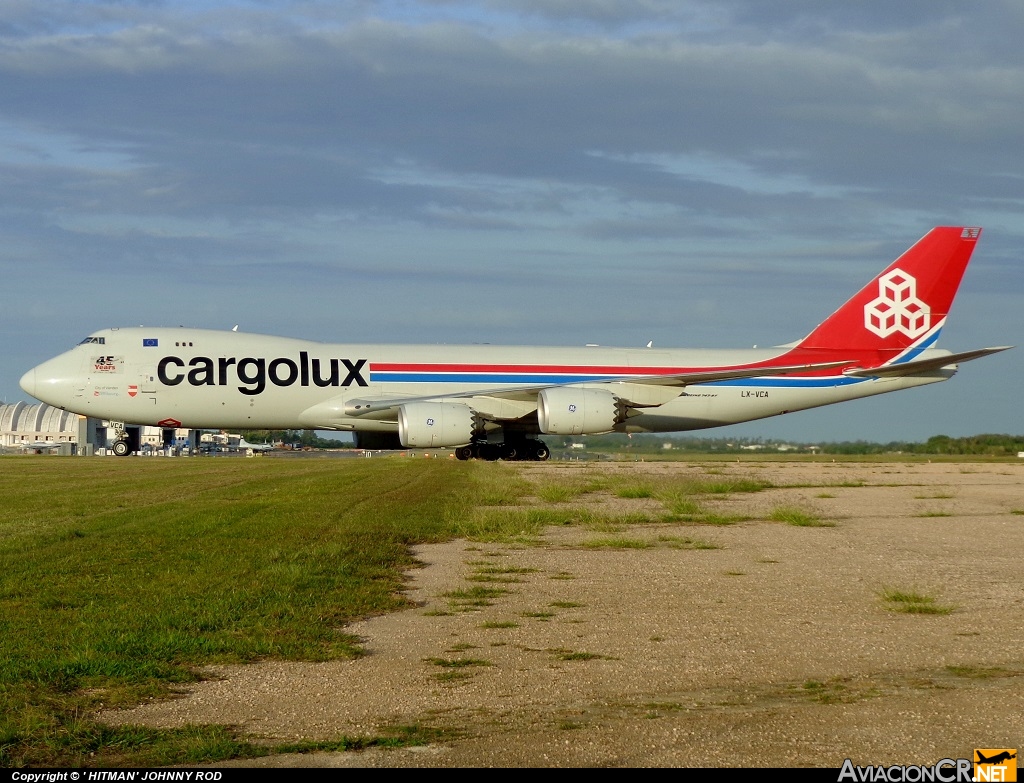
(211, 379)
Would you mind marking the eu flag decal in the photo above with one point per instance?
(149, 342)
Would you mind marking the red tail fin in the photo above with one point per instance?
(906, 305)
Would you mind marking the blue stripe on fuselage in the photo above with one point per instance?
(790, 383)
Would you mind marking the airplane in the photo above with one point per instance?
(36, 446)
(244, 445)
(996, 759)
(225, 442)
(492, 402)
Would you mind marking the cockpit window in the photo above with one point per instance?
(97, 340)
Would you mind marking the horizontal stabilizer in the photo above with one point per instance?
(924, 365)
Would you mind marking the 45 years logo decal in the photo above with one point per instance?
(897, 308)
(106, 364)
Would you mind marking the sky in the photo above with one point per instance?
(705, 173)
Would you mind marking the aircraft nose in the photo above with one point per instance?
(54, 381)
(28, 382)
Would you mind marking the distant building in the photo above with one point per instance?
(22, 424)
(41, 426)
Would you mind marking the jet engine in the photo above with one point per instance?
(425, 425)
(569, 410)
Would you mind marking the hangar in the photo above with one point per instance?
(39, 427)
(25, 426)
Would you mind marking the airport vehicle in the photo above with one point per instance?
(492, 401)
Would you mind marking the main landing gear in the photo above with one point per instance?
(535, 450)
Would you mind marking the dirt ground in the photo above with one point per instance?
(774, 649)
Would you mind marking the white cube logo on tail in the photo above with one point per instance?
(897, 308)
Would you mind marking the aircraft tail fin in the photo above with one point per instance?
(904, 307)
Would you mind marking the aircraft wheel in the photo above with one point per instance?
(464, 452)
(541, 451)
(489, 452)
(509, 452)
(120, 448)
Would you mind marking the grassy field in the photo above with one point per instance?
(118, 578)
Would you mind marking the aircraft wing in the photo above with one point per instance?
(528, 394)
(924, 365)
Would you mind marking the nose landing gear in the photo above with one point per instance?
(126, 439)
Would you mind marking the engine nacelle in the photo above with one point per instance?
(568, 410)
(425, 425)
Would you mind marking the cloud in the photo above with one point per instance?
(302, 118)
